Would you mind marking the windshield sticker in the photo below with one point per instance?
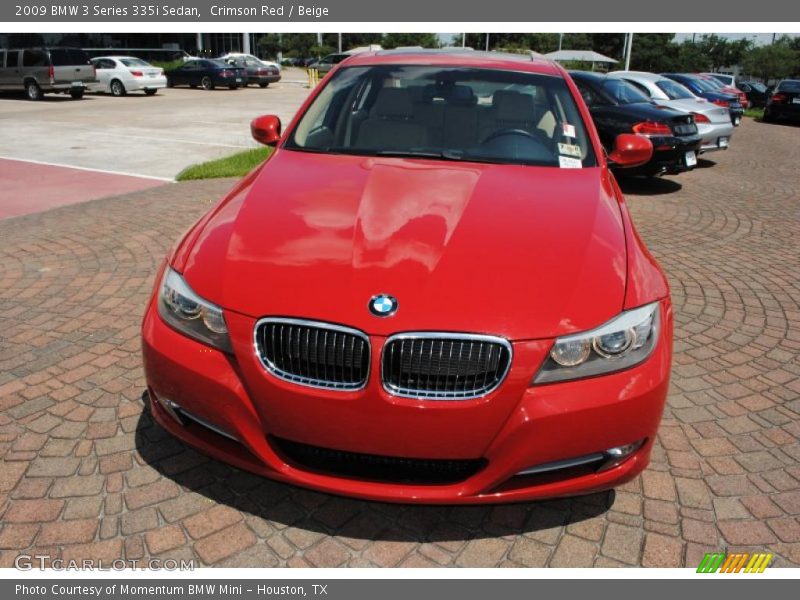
(568, 130)
(565, 162)
(569, 150)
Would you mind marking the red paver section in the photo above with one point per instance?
(29, 187)
(85, 473)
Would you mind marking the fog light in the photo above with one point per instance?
(170, 408)
(616, 456)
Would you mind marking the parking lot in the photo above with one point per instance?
(154, 136)
(87, 474)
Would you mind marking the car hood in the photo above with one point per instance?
(518, 251)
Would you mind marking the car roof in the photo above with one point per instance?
(118, 56)
(589, 75)
(456, 57)
(640, 75)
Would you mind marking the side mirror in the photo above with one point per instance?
(266, 130)
(631, 150)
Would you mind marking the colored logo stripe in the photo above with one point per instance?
(734, 563)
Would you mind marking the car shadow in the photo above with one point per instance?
(47, 98)
(782, 122)
(648, 186)
(704, 163)
(287, 505)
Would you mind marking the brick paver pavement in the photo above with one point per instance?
(86, 474)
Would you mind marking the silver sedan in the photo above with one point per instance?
(713, 122)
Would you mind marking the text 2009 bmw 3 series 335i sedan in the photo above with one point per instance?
(431, 292)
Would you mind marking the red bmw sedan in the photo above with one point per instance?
(431, 292)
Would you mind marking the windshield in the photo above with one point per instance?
(759, 87)
(133, 62)
(449, 113)
(623, 92)
(704, 85)
(673, 89)
(789, 85)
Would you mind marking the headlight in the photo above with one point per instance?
(192, 316)
(621, 343)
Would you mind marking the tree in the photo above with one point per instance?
(397, 40)
(654, 52)
(773, 62)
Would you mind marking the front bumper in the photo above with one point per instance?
(231, 400)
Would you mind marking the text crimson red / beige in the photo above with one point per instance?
(264, 10)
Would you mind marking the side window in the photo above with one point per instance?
(2, 58)
(587, 94)
(642, 88)
(34, 58)
(12, 59)
(744, 87)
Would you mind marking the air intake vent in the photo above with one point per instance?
(377, 467)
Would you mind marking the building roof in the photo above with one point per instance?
(581, 55)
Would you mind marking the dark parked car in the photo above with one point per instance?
(256, 71)
(328, 62)
(702, 88)
(619, 107)
(784, 102)
(207, 74)
(757, 93)
(41, 71)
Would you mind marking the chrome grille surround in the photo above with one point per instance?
(469, 343)
(295, 373)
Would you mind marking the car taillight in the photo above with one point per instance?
(262, 72)
(724, 103)
(226, 73)
(698, 118)
(51, 72)
(652, 128)
(137, 74)
(779, 98)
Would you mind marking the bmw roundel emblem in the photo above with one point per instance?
(383, 305)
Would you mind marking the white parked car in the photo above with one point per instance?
(119, 75)
(713, 122)
(242, 55)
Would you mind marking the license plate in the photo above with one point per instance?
(691, 159)
(152, 75)
(737, 120)
(723, 142)
(238, 80)
(77, 84)
(795, 100)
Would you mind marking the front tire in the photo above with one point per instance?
(33, 91)
(206, 83)
(76, 94)
(117, 88)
